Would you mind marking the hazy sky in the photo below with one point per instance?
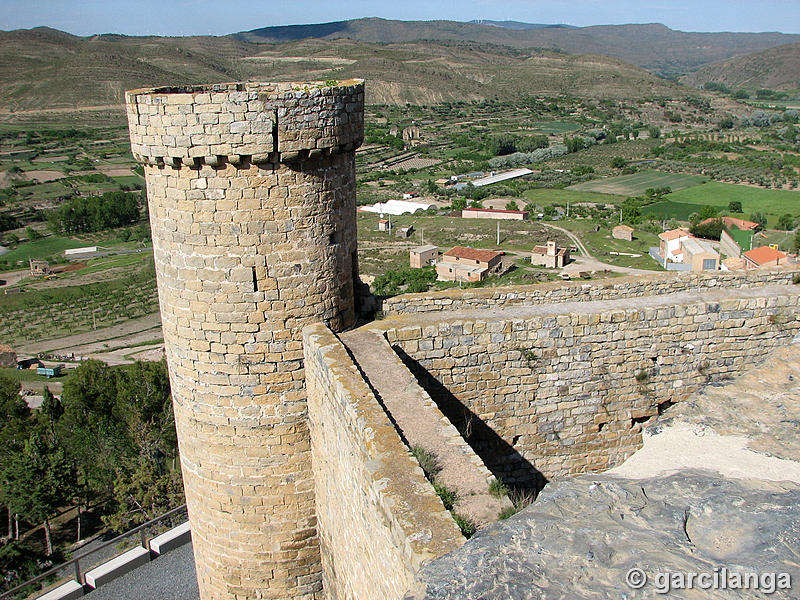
(219, 17)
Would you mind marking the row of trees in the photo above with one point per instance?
(94, 213)
(109, 440)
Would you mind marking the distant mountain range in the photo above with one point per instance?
(520, 25)
(416, 62)
(654, 47)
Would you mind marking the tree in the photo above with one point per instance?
(654, 132)
(52, 410)
(143, 495)
(512, 205)
(726, 123)
(760, 218)
(785, 222)
(630, 212)
(711, 230)
(459, 203)
(707, 212)
(618, 162)
(15, 426)
(735, 206)
(431, 187)
(43, 480)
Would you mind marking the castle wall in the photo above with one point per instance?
(549, 391)
(378, 517)
(607, 289)
(251, 193)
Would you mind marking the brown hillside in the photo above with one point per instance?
(44, 68)
(775, 69)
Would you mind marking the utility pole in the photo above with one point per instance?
(498, 233)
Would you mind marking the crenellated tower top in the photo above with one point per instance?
(234, 122)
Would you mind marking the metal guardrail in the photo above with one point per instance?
(75, 562)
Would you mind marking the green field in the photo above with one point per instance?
(638, 183)
(774, 202)
(47, 246)
(544, 197)
(668, 209)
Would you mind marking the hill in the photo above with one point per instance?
(651, 46)
(45, 68)
(775, 69)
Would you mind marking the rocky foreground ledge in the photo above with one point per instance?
(711, 501)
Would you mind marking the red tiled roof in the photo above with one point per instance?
(624, 227)
(473, 254)
(764, 255)
(734, 222)
(673, 234)
(497, 210)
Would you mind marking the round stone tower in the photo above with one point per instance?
(251, 193)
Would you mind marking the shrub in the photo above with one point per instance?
(446, 495)
(497, 488)
(465, 524)
(427, 460)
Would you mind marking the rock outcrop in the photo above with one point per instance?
(716, 490)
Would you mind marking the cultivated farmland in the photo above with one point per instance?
(637, 183)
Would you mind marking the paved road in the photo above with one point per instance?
(169, 577)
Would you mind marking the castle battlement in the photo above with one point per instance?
(240, 122)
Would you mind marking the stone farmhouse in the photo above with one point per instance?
(295, 426)
(622, 232)
(468, 264)
(423, 256)
(550, 256)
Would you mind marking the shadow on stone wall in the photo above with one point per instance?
(500, 457)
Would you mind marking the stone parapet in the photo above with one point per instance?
(557, 390)
(241, 122)
(606, 289)
(379, 518)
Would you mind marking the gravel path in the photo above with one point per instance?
(169, 577)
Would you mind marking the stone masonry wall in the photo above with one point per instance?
(378, 516)
(608, 289)
(549, 391)
(251, 243)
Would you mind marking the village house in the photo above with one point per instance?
(468, 264)
(734, 223)
(699, 254)
(763, 257)
(622, 232)
(494, 213)
(423, 256)
(670, 245)
(550, 256)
